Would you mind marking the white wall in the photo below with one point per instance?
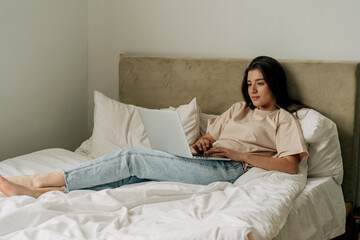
(284, 29)
(43, 75)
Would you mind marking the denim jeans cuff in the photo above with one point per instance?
(66, 187)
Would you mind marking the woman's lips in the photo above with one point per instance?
(255, 97)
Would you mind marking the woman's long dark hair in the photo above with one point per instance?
(275, 78)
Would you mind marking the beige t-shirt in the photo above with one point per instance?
(263, 133)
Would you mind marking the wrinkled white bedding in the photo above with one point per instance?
(256, 206)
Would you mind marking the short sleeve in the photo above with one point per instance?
(216, 127)
(289, 138)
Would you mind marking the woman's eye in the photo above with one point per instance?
(261, 83)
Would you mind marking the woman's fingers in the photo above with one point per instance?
(216, 150)
(199, 146)
(202, 145)
(225, 152)
(196, 147)
(207, 143)
(220, 152)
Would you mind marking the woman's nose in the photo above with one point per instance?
(253, 89)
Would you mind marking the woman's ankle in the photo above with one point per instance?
(37, 181)
(52, 179)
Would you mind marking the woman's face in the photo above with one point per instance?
(259, 92)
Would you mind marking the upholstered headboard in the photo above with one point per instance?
(331, 88)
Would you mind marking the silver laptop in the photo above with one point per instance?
(165, 133)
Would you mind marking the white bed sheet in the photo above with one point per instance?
(318, 212)
(171, 210)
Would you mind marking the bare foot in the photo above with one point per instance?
(9, 189)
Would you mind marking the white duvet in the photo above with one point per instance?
(256, 206)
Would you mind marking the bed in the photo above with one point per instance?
(259, 205)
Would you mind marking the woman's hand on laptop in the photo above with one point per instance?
(204, 143)
(225, 152)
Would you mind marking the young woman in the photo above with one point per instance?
(259, 132)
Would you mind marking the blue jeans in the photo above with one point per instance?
(136, 164)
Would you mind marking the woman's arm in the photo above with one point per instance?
(288, 164)
(204, 143)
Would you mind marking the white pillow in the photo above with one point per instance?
(205, 120)
(85, 148)
(118, 125)
(320, 133)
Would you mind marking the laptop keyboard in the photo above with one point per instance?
(202, 156)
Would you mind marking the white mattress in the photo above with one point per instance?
(170, 210)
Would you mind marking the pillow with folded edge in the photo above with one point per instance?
(118, 125)
(205, 120)
(321, 137)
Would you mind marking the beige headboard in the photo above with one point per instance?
(332, 88)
